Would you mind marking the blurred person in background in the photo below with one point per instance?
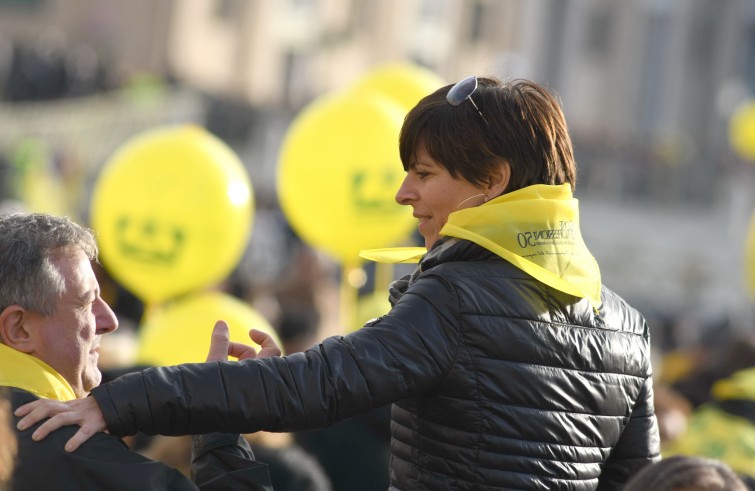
(682, 473)
(509, 365)
(52, 318)
(672, 411)
(724, 427)
(717, 356)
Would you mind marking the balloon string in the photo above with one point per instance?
(383, 277)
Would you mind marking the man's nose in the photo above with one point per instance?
(105, 317)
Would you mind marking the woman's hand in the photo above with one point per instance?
(86, 413)
(221, 347)
(83, 412)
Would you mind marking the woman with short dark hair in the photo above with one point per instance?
(508, 363)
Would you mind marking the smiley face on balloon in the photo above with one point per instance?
(150, 240)
(338, 171)
(339, 166)
(173, 212)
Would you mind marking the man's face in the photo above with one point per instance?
(69, 340)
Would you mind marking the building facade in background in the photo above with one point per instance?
(648, 88)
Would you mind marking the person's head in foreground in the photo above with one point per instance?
(51, 320)
(686, 473)
(482, 138)
(50, 304)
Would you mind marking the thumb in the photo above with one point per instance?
(219, 342)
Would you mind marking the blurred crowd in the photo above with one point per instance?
(704, 379)
(704, 370)
(704, 375)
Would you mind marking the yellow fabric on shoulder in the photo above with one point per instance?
(394, 255)
(31, 374)
(535, 228)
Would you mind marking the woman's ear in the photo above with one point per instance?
(14, 331)
(499, 180)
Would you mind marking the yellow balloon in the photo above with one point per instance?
(750, 257)
(405, 83)
(173, 212)
(338, 173)
(179, 331)
(742, 130)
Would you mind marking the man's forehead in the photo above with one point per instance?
(75, 267)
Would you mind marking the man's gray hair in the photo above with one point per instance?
(28, 242)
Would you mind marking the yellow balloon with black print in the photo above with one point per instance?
(338, 172)
(173, 212)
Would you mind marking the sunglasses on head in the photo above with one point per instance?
(462, 91)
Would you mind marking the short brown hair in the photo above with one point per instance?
(523, 125)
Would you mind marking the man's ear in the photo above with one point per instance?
(499, 180)
(14, 331)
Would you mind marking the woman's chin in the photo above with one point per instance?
(428, 235)
(429, 241)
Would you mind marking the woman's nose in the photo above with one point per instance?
(405, 193)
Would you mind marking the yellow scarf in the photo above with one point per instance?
(27, 373)
(534, 228)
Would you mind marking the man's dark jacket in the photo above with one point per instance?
(104, 462)
(498, 382)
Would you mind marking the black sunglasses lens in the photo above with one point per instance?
(461, 91)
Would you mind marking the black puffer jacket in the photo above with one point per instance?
(499, 382)
(220, 462)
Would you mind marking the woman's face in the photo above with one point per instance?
(434, 194)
